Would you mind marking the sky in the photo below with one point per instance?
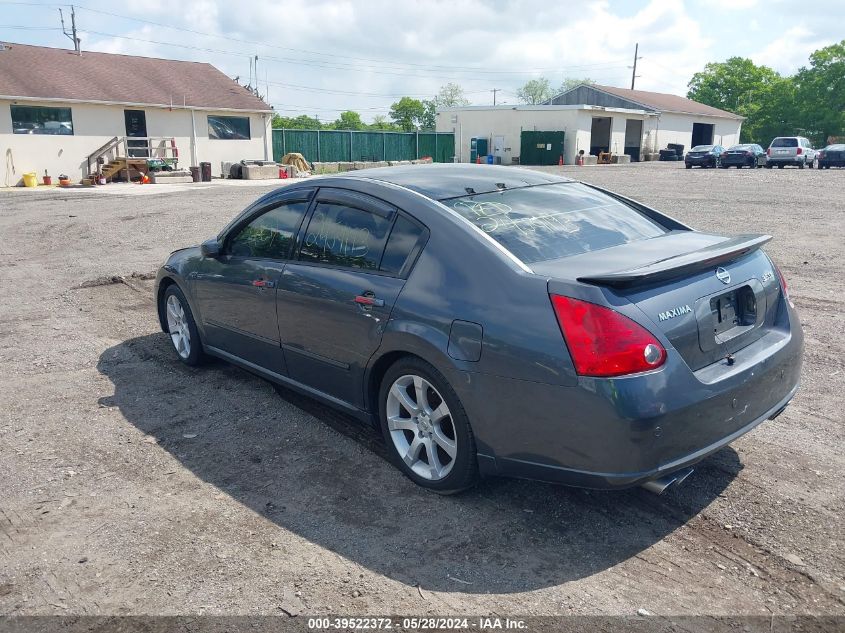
(321, 57)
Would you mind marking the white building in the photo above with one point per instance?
(58, 108)
(593, 118)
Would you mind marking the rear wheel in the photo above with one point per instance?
(181, 327)
(780, 166)
(688, 166)
(802, 165)
(426, 429)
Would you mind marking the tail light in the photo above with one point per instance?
(784, 288)
(769, 152)
(749, 153)
(724, 154)
(603, 342)
(799, 151)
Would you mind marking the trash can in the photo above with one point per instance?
(30, 179)
(195, 173)
(205, 170)
(489, 159)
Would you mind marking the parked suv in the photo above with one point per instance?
(791, 150)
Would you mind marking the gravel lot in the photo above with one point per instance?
(130, 484)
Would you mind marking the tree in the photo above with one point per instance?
(451, 96)
(820, 89)
(535, 91)
(407, 113)
(756, 92)
(569, 83)
(349, 120)
(428, 121)
(302, 122)
(380, 122)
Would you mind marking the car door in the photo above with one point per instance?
(333, 302)
(236, 291)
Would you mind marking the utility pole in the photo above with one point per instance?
(72, 34)
(634, 74)
(494, 91)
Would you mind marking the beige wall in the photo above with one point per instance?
(576, 122)
(94, 125)
(677, 128)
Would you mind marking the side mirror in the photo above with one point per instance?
(210, 248)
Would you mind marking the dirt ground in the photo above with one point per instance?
(131, 484)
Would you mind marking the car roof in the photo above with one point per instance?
(452, 180)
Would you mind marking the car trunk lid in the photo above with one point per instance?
(709, 295)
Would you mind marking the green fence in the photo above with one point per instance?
(347, 145)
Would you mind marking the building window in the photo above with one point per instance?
(228, 127)
(41, 120)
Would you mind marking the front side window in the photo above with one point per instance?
(554, 221)
(342, 235)
(41, 120)
(271, 234)
(228, 127)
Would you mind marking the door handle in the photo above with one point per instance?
(369, 299)
(261, 283)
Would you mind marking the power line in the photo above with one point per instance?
(389, 62)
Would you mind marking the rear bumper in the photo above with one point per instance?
(791, 160)
(738, 160)
(707, 160)
(617, 433)
(610, 480)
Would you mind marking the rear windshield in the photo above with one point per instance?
(553, 221)
(736, 147)
(702, 148)
(785, 142)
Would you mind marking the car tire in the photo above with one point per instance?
(768, 166)
(688, 166)
(780, 166)
(181, 326)
(802, 165)
(411, 428)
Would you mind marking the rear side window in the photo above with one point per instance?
(342, 235)
(785, 142)
(271, 234)
(553, 221)
(400, 245)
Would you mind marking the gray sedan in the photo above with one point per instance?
(496, 321)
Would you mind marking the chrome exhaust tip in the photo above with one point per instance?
(658, 486)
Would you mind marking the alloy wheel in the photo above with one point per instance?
(421, 427)
(177, 325)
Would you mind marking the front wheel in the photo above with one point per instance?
(688, 166)
(426, 429)
(181, 327)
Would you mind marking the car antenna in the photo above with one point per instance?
(501, 185)
(470, 190)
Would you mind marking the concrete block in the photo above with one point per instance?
(589, 159)
(261, 172)
(325, 168)
(169, 177)
(381, 163)
(621, 158)
(359, 164)
(344, 166)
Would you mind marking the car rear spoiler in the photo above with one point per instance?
(680, 265)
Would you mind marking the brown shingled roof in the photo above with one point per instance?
(666, 102)
(55, 73)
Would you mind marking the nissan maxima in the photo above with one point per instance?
(496, 321)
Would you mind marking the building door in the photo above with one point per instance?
(540, 147)
(499, 148)
(136, 126)
(633, 138)
(600, 135)
(702, 134)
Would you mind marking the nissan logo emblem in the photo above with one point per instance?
(723, 275)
